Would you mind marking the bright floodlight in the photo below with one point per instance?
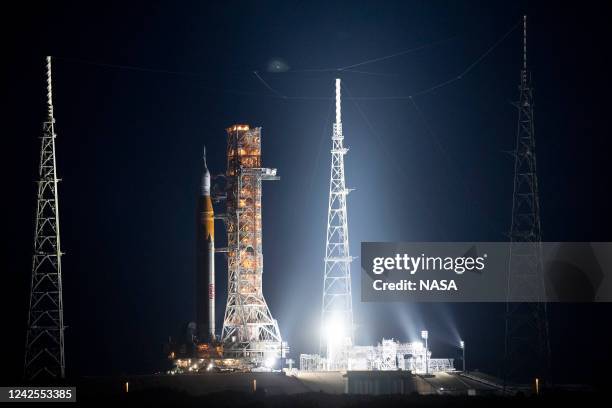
(334, 330)
(462, 344)
(270, 362)
(425, 335)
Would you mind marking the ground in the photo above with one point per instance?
(304, 390)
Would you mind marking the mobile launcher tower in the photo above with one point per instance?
(249, 330)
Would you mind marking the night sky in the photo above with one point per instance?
(140, 88)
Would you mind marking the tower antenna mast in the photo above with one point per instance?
(337, 310)
(44, 350)
(527, 349)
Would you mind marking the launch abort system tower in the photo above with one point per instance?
(249, 330)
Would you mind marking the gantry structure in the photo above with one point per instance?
(249, 330)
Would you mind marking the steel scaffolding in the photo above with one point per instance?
(337, 308)
(44, 350)
(388, 355)
(249, 330)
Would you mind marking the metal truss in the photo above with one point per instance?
(337, 309)
(527, 350)
(388, 355)
(44, 350)
(248, 326)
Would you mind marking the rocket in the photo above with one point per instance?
(205, 274)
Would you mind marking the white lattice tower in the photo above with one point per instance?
(337, 309)
(44, 351)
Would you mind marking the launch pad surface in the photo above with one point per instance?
(296, 383)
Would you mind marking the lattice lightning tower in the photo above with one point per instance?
(44, 353)
(337, 310)
(248, 326)
(526, 346)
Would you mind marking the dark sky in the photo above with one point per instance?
(140, 88)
